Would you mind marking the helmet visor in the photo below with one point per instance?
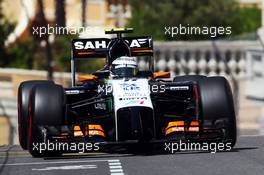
(128, 71)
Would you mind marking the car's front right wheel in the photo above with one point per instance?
(216, 103)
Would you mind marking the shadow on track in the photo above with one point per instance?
(128, 153)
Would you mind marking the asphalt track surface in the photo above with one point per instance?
(246, 158)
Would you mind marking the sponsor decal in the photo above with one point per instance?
(100, 106)
(79, 45)
(141, 102)
(133, 98)
(179, 88)
(129, 87)
(102, 43)
(136, 43)
(73, 92)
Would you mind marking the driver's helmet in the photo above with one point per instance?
(124, 66)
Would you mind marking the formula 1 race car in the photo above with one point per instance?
(123, 105)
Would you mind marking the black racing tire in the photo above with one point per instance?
(216, 102)
(23, 111)
(47, 108)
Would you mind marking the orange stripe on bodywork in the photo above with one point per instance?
(86, 53)
(87, 78)
(143, 50)
(193, 129)
(77, 131)
(98, 127)
(160, 75)
(95, 130)
(194, 123)
(179, 126)
(194, 126)
(96, 133)
(175, 124)
(174, 129)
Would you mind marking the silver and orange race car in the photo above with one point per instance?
(123, 104)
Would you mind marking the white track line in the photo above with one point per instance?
(115, 167)
(68, 167)
(57, 162)
(115, 160)
(114, 163)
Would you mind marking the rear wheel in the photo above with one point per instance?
(47, 108)
(23, 111)
(216, 103)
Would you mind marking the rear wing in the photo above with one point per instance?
(99, 47)
(106, 48)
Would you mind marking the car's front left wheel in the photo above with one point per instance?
(46, 108)
(23, 108)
